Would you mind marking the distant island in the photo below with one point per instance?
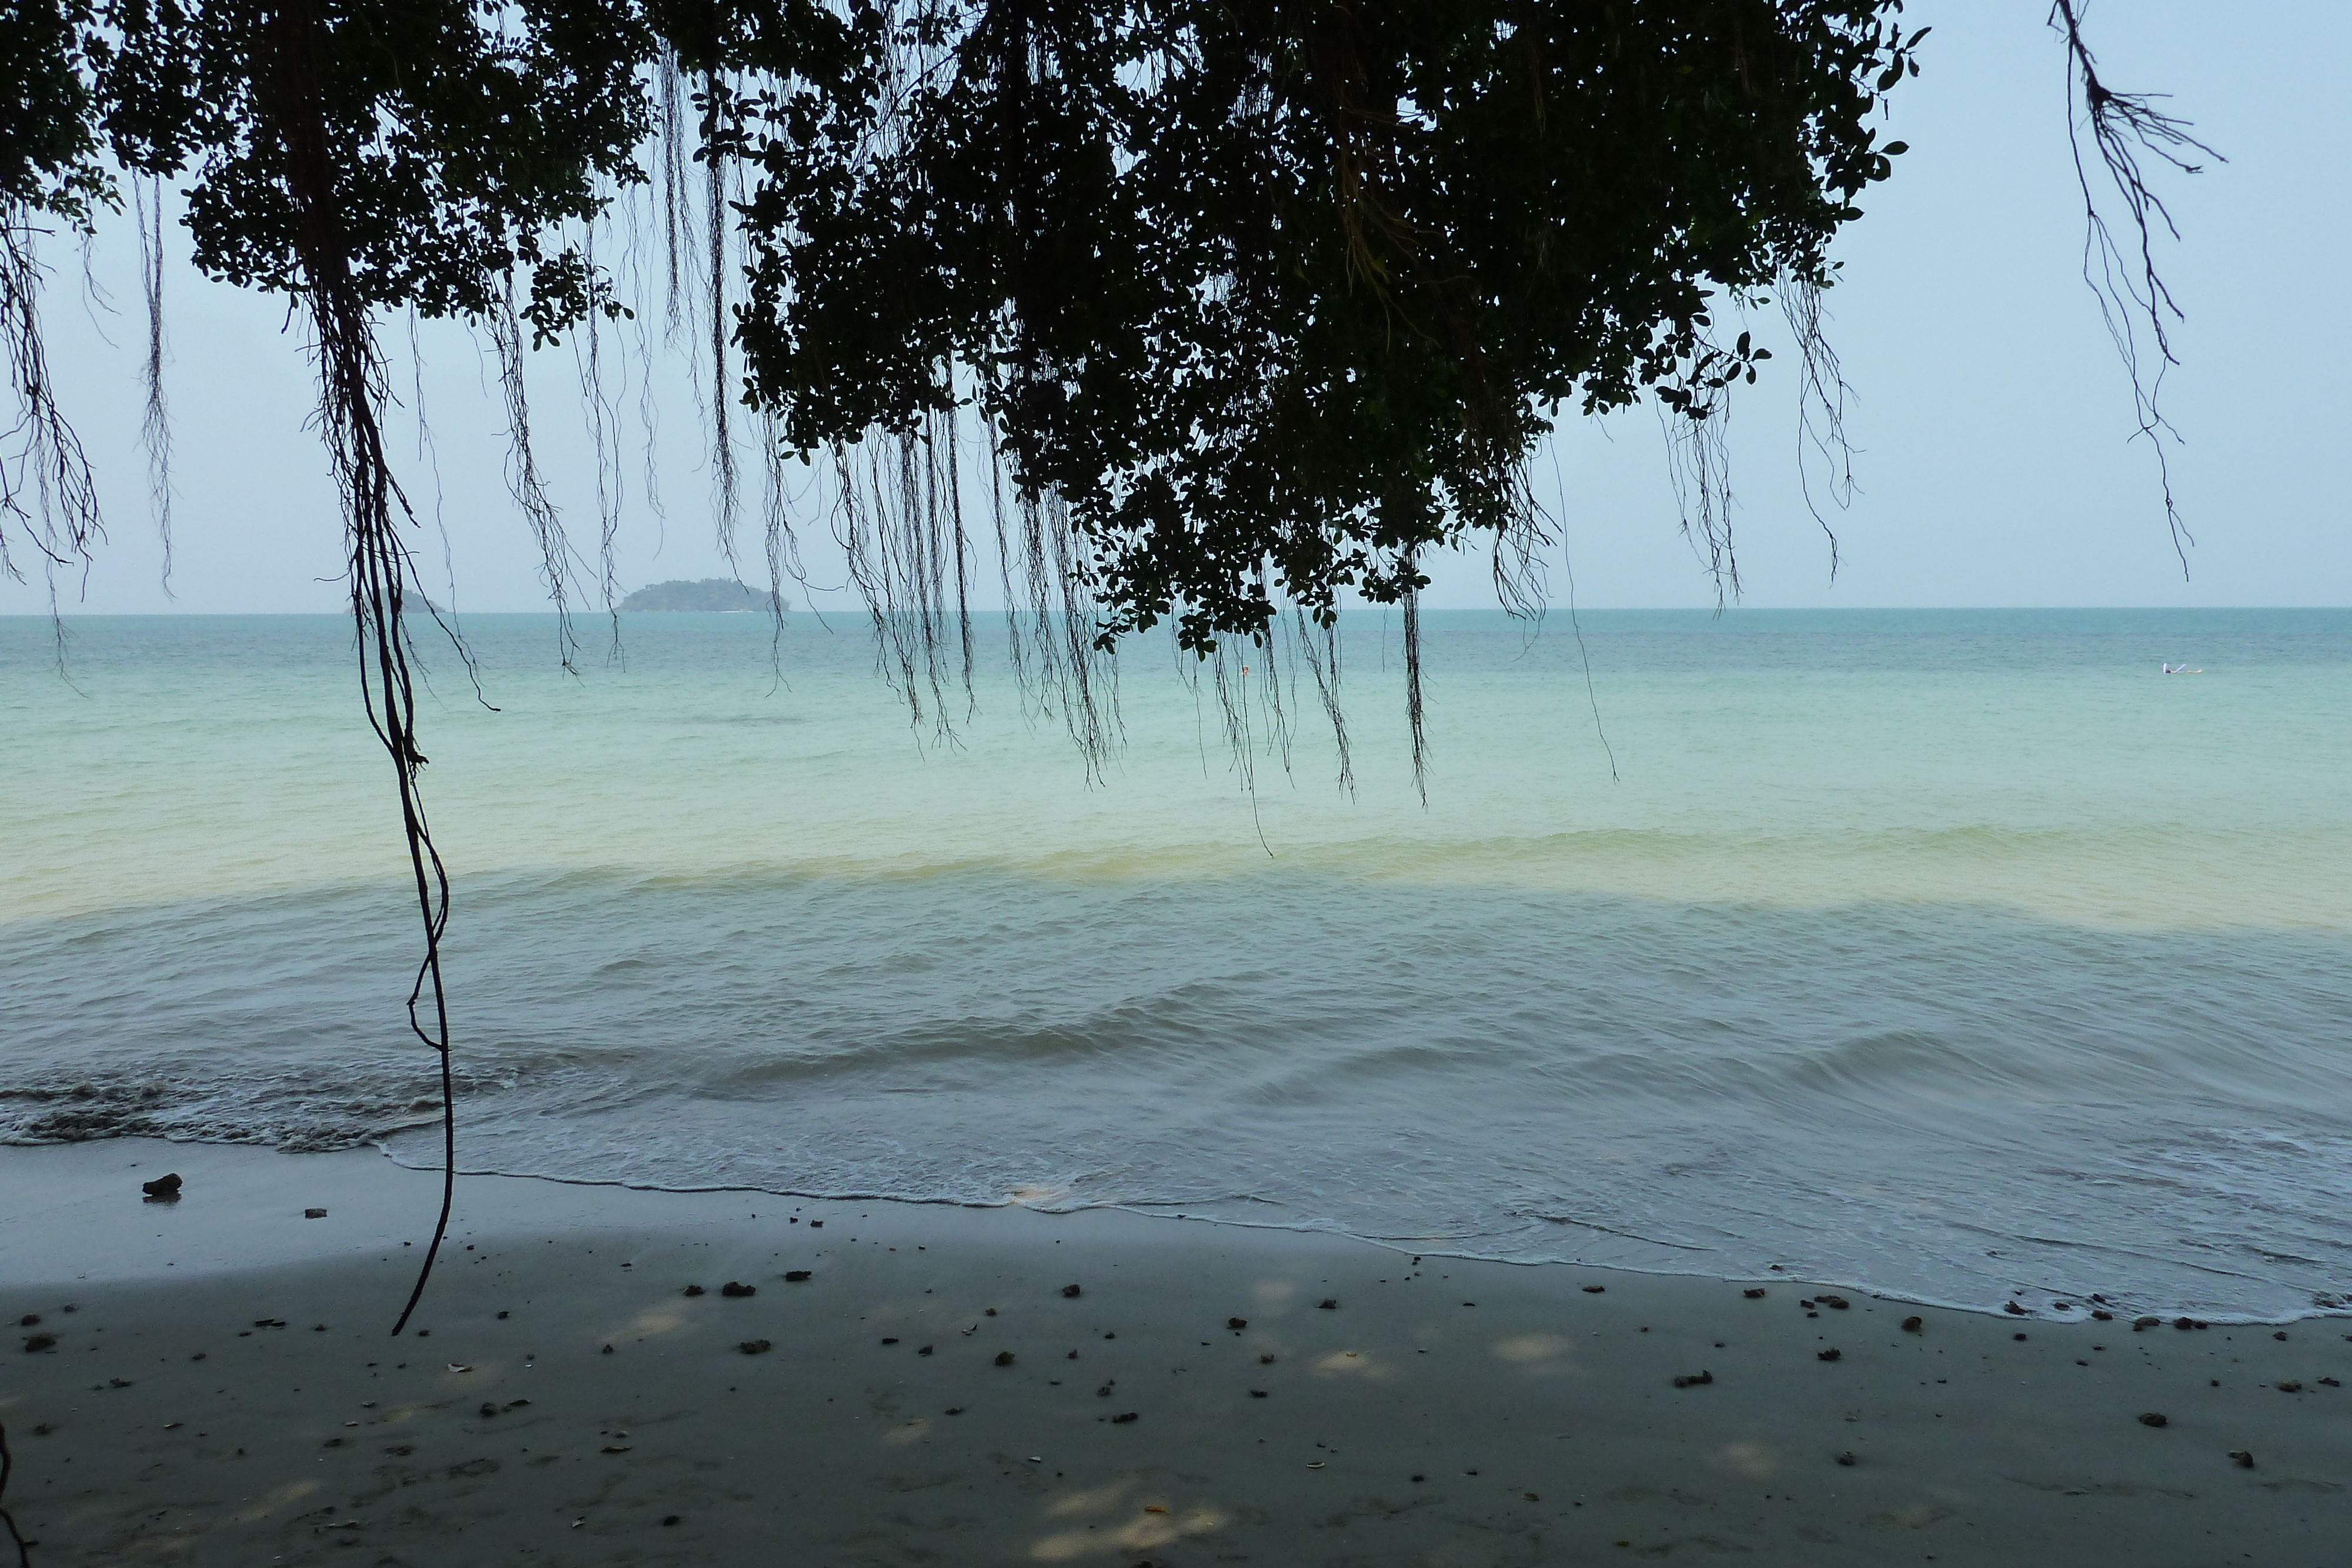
(710, 593)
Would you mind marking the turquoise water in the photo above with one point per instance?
(1957, 954)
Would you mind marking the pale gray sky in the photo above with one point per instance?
(1991, 420)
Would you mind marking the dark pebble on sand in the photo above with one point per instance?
(2154, 1419)
(819, 1225)
(2290, 1386)
(737, 1288)
(1258, 1392)
(694, 1290)
(1754, 1293)
(40, 1342)
(1913, 1325)
(165, 1186)
(1829, 1355)
(28, 1319)
(314, 1214)
(668, 1518)
(2243, 1461)
(2184, 1322)
(2103, 1316)
(2017, 1336)
(1836, 1304)
(955, 1409)
(1237, 1323)
(1594, 1290)
(925, 1350)
(755, 1347)
(1693, 1380)
(1123, 1418)
(1845, 1458)
(1329, 1303)
(793, 1277)
(1072, 1292)
(2013, 1309)
(1266, 1361)
(2280, 1334)
(1004, 1358)
(890, 1339)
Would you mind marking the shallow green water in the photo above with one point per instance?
(1957, 954)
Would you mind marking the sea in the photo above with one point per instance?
(1959, 955)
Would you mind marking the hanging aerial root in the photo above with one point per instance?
(49, 496)
(2125, 127)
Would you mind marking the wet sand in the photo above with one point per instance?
(222, 1390)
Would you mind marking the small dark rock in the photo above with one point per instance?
(669, 1519)
(40, 1342)
(2241, 1458)
(1124, 1417)
(2154, 1419)
(755, 1347)
(2184, 1322)
(489, 1409)
(1754, 1293)
(314, 1214)
(695, 1291)
(1913, 1325)
(2330, 1383)
(2017, 1336)
(1836, 1303)
(28, 1319)
(926, 1350)
(1594, 1290)
(955, 1409)
(1266, 1361)
(1829, 1354)
(1693, 1379)
(1258, 1392)
(2290, 1386)
(1329, 1303)
(737, 1288)
(890, 1339)
(2013, 1310)
(817, 1225)
(2103, 1316)
(2140, 1323)
(1072, 1292)
(1004, 1358)
(794, 1277)
(2280, 1334)
(1845, 1458)
(1237, 1323)
(164, 1187)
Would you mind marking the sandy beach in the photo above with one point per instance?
(210, 1382)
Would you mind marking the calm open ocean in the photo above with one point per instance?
(1959, 955)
